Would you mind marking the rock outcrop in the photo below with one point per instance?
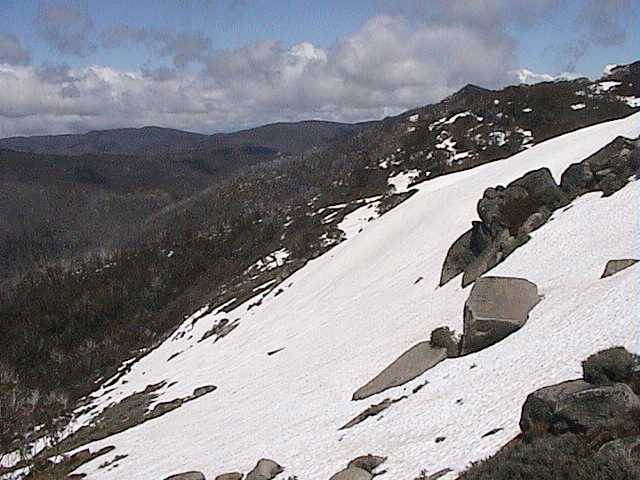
(607, 170)
(411, 364)
(577, 406)
(509, 214)
(496, 307)
(615, 266)
(265, 469)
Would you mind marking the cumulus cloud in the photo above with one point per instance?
(182, 47)
(66, 26)
(12, 51)
(601, 23)
(419, 54)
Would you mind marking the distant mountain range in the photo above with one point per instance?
(285, 138)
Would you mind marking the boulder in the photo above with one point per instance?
(265, 469)
(576, 406)
(542, 188)
(187, 476)
(615, 266)
(411, 364)
(620, 450)
(367, 462)
(230, 476)
(496, 307)
(352, 473)
(457, 259)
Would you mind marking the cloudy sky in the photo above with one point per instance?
(221, 65)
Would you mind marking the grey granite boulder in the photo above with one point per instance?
(187, 476)
(576, 406)
(367, 462)
(265, 469)
(615, 266)
(352, 473)
(496, 307)
(230, 476)
(620, 450)
(411, 364)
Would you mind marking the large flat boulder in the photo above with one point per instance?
(576, 406)
(615, 266)
(496, 307)
(411, 364)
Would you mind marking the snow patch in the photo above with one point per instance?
(578, 106)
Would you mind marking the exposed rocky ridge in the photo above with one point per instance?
(509, 214)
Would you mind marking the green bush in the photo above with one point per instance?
(611, 365)
(550, 458)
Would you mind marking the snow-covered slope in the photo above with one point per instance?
(346, 315)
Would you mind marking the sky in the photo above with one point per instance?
(70, 66)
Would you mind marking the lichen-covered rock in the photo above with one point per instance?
(496, 307)
(576, 406)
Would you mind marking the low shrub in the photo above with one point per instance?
(611, 365)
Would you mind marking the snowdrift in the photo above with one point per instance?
(346, 315)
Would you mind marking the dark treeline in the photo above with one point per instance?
(65, 327)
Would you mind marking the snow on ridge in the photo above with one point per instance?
(401, 181)
(347, 314)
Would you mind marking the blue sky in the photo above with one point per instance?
(212, 65)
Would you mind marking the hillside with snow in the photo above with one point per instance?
(286, 371)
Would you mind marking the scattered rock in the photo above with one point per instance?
(230, 476)
(440, 439)
(492, 432)
(200, 391)
(497, 307)
(187, 476)
(615, 266)
(265, 469)
(437, 475)
(367, 462)
(371, 411)
(576, 406)
(352, 473)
